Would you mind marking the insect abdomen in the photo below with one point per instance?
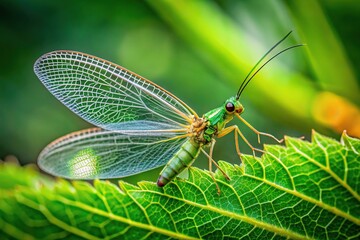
(181, 160)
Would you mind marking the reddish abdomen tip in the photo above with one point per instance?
(161, 181)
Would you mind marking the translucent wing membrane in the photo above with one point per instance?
(98, 153)
(143, 124)
(110, 96)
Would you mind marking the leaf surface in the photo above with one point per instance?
(301, 191)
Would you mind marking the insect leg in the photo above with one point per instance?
(210, 168)
(210, 157)
(258, 132)
(211, 160)
(227, 131)
(237, 131)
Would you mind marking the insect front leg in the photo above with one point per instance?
(258, 132)
(237, 132)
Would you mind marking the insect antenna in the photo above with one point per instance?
(247, 79)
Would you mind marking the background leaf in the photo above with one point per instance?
(301, 191)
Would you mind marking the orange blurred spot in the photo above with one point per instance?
(337, 113)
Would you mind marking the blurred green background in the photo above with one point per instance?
(198, 50)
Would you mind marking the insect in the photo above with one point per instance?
(140, 126)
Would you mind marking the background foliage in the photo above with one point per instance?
(199, 50)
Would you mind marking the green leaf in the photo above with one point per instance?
(301, 191)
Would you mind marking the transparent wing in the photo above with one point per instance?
(109, 96)
(97, 153)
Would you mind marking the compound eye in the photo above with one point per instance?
(230, 107)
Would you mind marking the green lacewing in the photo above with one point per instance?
(140, 125)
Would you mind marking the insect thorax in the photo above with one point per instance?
(198, 129)
(204, 130)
